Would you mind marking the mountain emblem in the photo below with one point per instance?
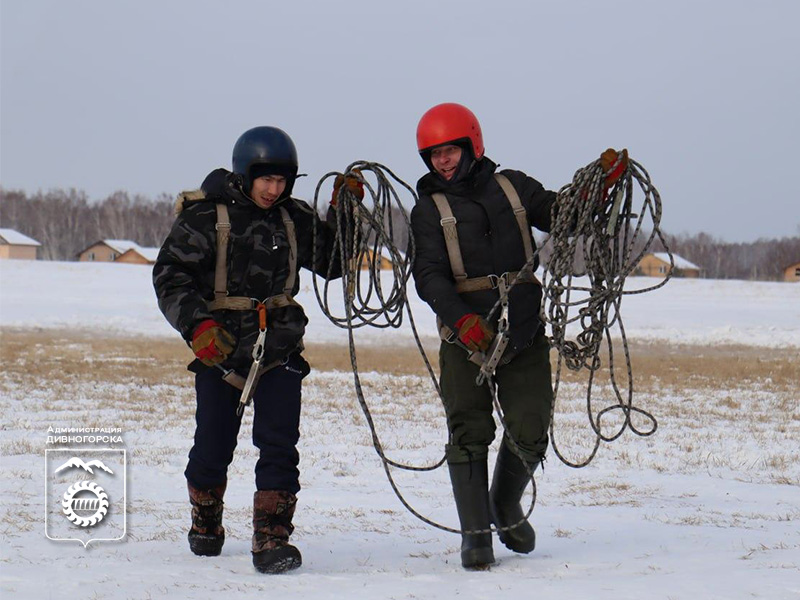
(77, 462)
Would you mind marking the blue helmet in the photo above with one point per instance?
(265, 151)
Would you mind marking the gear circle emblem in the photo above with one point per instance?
(87, 510)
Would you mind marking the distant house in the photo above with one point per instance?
(14, 244)
(139, 256)
(792, 272)
(386, 259)
(657, 264)
(106, 250)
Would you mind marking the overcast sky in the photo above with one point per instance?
(149, 96)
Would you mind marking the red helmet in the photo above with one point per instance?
(449, 122)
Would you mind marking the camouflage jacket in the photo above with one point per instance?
(258, 266)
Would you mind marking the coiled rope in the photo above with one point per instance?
(360, 241)
(599, 226)
(586, 220)
(614, 239)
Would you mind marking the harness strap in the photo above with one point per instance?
(448, 222)
(233, 378)
(223, 235)
(490, 282)
(519, 213)
(245, 303)
(292, 235)
(221, 299)
(475, 284)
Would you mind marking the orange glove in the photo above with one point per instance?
(609, 159)
(211, 343)
(474, 332)
(354, 185)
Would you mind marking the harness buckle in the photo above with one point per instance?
(498, 281)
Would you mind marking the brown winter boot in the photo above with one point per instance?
(272, 525)
(206, 535)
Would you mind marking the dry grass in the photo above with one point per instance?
(747, 393)
(659, 366)
(65, 355)
(730, 412)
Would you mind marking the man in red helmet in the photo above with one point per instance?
(471, 228)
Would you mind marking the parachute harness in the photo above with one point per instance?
(583, 223)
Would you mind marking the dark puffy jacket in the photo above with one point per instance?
(490, 243)
(258, 265)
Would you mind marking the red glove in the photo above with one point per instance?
(211, 343)
(354, 185)
(474, 332)
(614, 164)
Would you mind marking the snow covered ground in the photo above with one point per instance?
(708, 507)
(118, 298)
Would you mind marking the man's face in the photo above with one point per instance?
(267, 189)
(445, 160)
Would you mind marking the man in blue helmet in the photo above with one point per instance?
(235, 249)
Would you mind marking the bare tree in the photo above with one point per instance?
(66, 222)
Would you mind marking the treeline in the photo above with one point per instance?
(764, 259)
(759, 260)
(66, 222)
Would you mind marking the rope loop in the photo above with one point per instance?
(599, 228)
(595, 225)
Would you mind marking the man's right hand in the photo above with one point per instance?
(474, 332)
(212, 343)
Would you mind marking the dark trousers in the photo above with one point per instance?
(525, 393)
(276, 423)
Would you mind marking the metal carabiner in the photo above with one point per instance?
(258, 347)
(258, 356)
(502, 286)
(500, 342)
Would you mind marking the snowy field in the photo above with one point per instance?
(706, 508)
(119, 299)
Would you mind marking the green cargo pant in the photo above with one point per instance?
(525, 392)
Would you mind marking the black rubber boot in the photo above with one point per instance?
(272, 525)
(470, 488)
(206, 535)
(509, 482)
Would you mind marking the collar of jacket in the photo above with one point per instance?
(484, 169)
(223, 184)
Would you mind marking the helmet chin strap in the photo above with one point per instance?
(238, 182)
